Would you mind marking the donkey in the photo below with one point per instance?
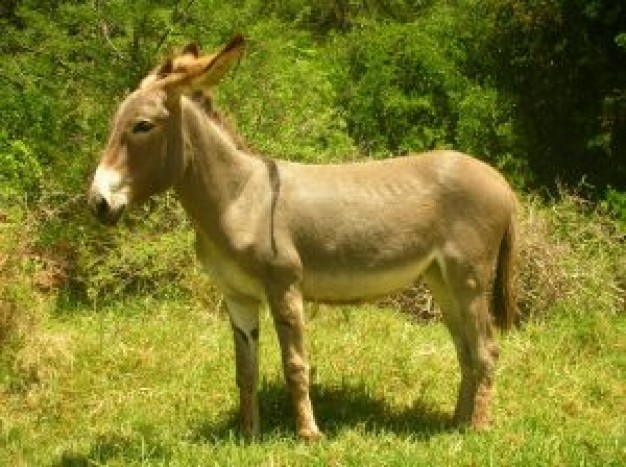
(276, 233)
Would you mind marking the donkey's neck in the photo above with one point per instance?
(216, 171)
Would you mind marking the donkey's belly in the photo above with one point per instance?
(337, 284)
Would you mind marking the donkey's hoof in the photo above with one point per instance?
(480, 424)
(309, 435)
(249, 433)
(474, 424)
(250, 437)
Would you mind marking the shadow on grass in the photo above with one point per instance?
(336, 409)
(114, 446)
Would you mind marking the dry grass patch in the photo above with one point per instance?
(29, 353)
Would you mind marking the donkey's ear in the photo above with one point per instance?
(158, 73)
(189, 72)
(218, 64)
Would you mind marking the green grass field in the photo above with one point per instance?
(152, 383)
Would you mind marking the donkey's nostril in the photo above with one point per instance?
(99, 204)
(102, 207)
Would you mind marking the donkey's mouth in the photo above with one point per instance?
(104, 211)
(112, 217)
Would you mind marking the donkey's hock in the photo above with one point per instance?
(276, 233)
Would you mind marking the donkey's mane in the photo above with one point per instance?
(204, 100)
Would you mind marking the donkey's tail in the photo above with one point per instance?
(504, 303)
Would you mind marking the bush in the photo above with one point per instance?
(396, 90)
(283, 98)
(21, 307)
(20, 170)
(485, 128)
(323, 16)
(615, 204)
(561, 63)
(403, 89)
(149, 254)
(592, 261)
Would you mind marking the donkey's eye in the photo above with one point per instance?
(143, 126)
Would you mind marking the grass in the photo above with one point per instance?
(151, 382)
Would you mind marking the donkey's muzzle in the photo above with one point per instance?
(102, 209)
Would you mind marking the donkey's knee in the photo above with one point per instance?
(296, 370)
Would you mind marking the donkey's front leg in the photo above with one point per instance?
(287, 311)
(244, 317)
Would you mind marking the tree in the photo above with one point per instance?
(562, 61)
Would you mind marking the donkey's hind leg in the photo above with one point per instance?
(435, 282)
(464, 303)
(483, 352)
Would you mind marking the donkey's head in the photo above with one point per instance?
(144, 153)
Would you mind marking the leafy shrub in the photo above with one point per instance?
(283, 98)
(20, 171)
(323, 16)
(150, 254)
(561, 63)
(397, 89)
(485, 129)
(593, 261)
(615, 203)
(21, 307)
(403, 89)
(138, 262)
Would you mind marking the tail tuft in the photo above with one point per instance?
(504, 303)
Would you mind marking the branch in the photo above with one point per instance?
(104, 27)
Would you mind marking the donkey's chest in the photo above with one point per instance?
(227, 273)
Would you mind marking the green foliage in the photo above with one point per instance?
(135, 262)
(485, 128)
(20, 304)
(403, 90)
(525, 85)
(321, 81)
(20, 170)
(283, 97)
(398, 89)
(615, 204)
(150, 253)
(323, 16)
(561, 63)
